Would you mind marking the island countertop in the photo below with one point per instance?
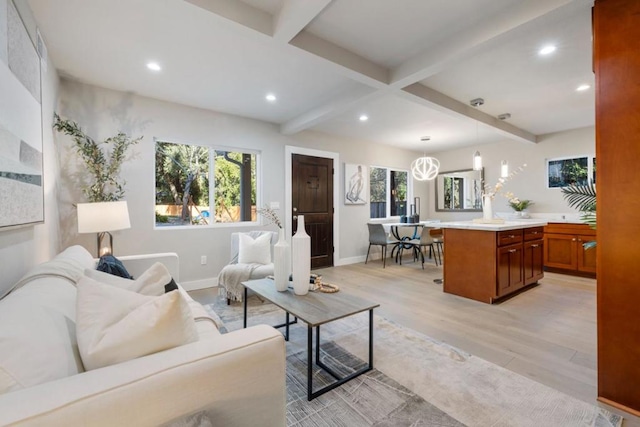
(507, 225)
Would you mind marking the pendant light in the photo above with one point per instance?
(477, 159)
(504, 169)
(425, 168)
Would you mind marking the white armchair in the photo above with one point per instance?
(232, 275)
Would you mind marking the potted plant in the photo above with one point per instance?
(583, 198)
(105, 184)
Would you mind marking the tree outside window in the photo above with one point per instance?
(186, 196)
(388, 192)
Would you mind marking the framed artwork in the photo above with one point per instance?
(21, 186)
(568, 170)
(355, 184)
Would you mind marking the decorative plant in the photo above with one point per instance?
(583, 198)
(517, 204)
(106, 184)
(270, 215)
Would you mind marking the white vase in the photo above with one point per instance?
(301, 259)
(281, 262)
(487, 209)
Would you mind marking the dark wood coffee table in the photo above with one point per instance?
(315, 309)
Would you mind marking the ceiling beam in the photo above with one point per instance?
(344, 102)
(294, 16)
(438, 101)
(351, 65)
(442, 55)
(238, 12)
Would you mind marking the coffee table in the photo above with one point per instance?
(315, 309)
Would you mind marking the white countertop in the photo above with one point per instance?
(507, 225)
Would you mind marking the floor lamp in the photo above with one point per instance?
(101, 218)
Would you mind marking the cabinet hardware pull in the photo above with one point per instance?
(579, 240)
(534, 246)
(512, 251)
(573, 240)
(511, 236)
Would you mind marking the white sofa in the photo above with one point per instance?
(232, 379)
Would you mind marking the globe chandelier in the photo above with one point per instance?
(425, 168)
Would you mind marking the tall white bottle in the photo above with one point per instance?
(301, 259)
(281, 262)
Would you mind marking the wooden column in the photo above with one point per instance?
(616, 28)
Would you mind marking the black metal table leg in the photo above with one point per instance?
(286, 335)
(318, 344)
(245, 307)
(371, 339)
(309, 363)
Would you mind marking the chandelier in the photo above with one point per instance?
(425, 168)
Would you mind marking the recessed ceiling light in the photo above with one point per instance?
(547, 50)
(270, 97)
(364, 117)
(154, 66)
(583, 87)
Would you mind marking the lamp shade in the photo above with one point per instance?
(103, 216)
(477, 161)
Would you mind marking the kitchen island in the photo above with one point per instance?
(488, 262)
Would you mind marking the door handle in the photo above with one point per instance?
(295, 217)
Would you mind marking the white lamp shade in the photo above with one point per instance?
(103, 216)
(477, 161)
(504, 169)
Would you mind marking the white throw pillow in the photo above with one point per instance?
(256, 251)
(151, 282)
(114, 325)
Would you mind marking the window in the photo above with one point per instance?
(185, 194)
(388, 192)
(574, 170)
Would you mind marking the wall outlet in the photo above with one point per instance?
(203, 260)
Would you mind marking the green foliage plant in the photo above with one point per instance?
(104, 168)
(583, 198)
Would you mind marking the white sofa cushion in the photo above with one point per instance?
(150, 283)
(254, 251)
(114, 325)
(38, 335)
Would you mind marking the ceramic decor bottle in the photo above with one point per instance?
(301, 259)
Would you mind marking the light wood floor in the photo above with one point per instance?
(547, 334)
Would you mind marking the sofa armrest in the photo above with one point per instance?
(236, 379)
(138, 264)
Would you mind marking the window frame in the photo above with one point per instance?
(388, 191)
(212, 149)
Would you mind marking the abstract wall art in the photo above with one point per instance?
(21, 174)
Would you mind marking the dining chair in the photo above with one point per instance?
(378, 236)
(420, 245)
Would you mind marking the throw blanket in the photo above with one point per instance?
(231, 278)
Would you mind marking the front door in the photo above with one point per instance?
(312, 196)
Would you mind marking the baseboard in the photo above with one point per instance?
(352, 260)
(618, 406)
(194, 285)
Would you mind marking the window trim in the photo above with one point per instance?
(388, 190)
(212, 149)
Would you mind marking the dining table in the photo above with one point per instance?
(403, 241)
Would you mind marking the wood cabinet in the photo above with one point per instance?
(616, 24)
(564, 251)
(489, 265)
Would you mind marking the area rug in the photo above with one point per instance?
(431, 382)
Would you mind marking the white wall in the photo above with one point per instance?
(103, 112)
(529, 184)
(25, 247)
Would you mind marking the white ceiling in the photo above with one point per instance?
(411, 65)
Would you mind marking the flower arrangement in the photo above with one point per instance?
(496, 189)
(517, 204)
(270, 215)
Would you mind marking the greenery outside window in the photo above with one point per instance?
(388, 192)
(186, 194)
(565, 171)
